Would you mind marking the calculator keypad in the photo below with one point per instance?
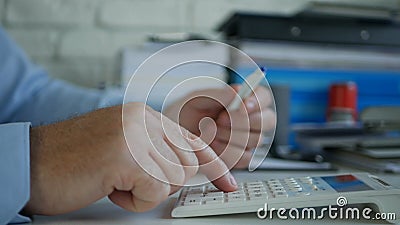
(251, 191)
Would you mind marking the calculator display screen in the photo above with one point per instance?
(346, 183)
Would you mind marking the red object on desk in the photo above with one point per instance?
(342, 102)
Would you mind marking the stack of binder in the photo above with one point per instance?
(373, 144)
(375, 155)
(308, 52)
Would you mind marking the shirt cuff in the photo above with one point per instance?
(14, 171)
(20, 219)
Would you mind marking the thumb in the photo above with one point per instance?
(212, 166)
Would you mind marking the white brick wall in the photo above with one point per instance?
(97, 43)
(50, 12)
(38, 43)
(143, 13)
(89, 72)
(2, 10)
(80, 40)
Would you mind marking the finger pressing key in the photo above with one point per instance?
(212, 166)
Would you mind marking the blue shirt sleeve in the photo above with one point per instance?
(29, 96)
(14, 171)
(27, 93)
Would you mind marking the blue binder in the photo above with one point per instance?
(309, 89)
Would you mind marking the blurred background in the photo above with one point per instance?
(327, 60)
(81, 40)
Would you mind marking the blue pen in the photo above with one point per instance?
(248, 86)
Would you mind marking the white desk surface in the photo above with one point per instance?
(104, 212)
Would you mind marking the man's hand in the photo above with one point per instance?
(78, 161)
(231, 134)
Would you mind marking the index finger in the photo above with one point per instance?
(212, 166)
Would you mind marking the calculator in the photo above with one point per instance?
(289, 192)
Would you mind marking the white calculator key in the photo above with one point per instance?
(192, 201)
(236, 198)
(272, 187)
(295, 187)
(213, 200)
(280, 194)
(253, 196)
(289, 180)
(273, 184)
(196, 190)
(262, 189)
(255, 187)
(257, 191)
(278, 189)
(197, 195)
(298, 189)
(270, 182)
(214, 194)
(307, 180)
(236, 193)
(256, 184)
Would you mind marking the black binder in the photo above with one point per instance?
(303, 28)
